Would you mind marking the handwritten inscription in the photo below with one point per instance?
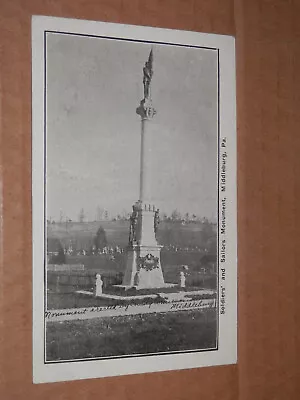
(128, 309)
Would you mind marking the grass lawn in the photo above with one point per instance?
(59, 301)
(136, 334)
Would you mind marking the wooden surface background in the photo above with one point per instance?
(268, 95)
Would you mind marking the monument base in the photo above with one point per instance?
(143, 268)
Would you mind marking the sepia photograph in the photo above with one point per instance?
(134, 226)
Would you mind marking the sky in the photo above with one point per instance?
(93, 133)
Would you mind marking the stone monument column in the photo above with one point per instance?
(143, 269)
(145, 161)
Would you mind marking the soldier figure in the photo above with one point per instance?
(156, 221)
(133, 224)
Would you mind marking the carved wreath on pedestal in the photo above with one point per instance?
(149, 262)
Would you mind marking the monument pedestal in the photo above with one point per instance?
(143, 267)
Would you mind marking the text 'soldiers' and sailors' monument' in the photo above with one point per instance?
(143, 267)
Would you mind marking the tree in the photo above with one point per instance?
(187, 217)
(99, 213)
(124, 215)
(175, 216)
(81, 215)
(100, 240)
(164, 216)
(61, 257)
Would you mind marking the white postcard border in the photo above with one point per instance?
(227, 344)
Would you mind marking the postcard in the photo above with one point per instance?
(134, 199)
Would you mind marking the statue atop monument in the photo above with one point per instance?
(145, 109)
(148, 73)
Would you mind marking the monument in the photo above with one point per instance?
(143, 267)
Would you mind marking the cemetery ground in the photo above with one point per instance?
(82, 235)
(131, 335)
(117, 336)
(193, 245)
(71, 299)
(63, 287)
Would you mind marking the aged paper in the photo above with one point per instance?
(134, 199)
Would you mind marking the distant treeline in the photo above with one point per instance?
(92, 237)
(174, 216)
